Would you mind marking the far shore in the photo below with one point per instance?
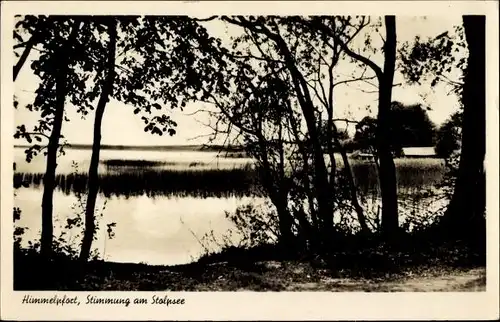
(194, 147)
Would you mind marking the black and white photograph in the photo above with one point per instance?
(216, 150)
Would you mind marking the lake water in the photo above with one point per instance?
(155, 231)
(161, 230)
(164, 230)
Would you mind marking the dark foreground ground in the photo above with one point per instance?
(444, 268)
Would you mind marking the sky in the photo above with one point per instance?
(121, 127)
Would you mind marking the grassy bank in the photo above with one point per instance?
(451, 267)
(264, 276)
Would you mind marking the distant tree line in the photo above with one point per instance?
(410, 127)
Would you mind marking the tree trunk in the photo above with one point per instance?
(285, 224)
(387, 173)
(350, 178)
(277, 195)
(352, 190)
(24, 56)
(305, 160)
(320, 174)
(50, 172)
(93, 183)
(285, 218)
(468, 203)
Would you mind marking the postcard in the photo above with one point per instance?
(218, 160)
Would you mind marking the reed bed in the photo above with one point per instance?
(134, 178)
(411, 174)
(210, 183)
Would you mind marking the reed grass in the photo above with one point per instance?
(209, 183)
(411, 174)
(132, 179)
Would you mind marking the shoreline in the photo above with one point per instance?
(436, 268)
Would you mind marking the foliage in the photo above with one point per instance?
(364, 137)
(447, 184)
(16, 211)
(50, 33)
(436, 59)
(161, 62)
(448, 136)
(166, 65)
(256, 225)
(410, 126)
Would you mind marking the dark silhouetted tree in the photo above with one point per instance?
(437, 58)
(54, 69)
(411, 126)
(153, 70)
(448, 136)
(163, 63)
(93, 181)
(280, 69)
(466, 210)
(385, 76)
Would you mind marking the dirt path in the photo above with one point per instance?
(473, 280)
(293, 276)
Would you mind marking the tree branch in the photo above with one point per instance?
(320, 26)
(36, 133)
(205, 19)
(347, 81)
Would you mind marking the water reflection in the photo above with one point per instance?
(151, 230)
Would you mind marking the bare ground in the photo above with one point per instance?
(440, 269)
(282, 276)
(298, 277)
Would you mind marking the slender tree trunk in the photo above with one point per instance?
(305, 160)
(352, 189)
(279, 201)
(107, 91)
(322, 188)
(24, 56)
(350, 178)
(387, 173)
(284, 217)
(277, 195)
(50, 172)
(320, 174)
(467, 205)
(285, 223)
